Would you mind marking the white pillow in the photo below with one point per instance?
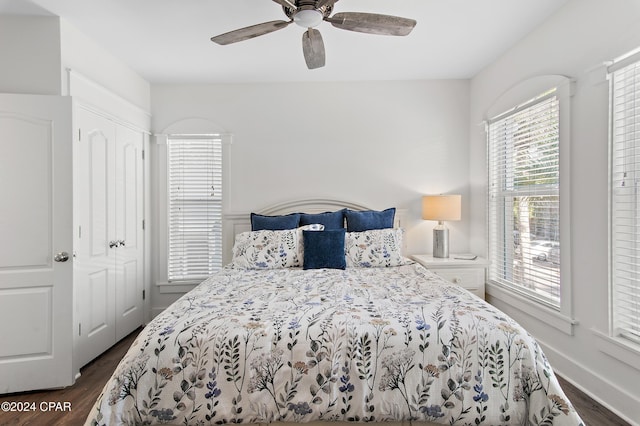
(375, 248)
(270, 249)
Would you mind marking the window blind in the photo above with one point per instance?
(625, 207)
(195, 207)
(524, 199)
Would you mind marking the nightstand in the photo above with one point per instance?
(469, 274)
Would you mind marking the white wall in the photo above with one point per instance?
(84, 56)
(380, 144)
(30, 55)
(574, 42)
(37, 50)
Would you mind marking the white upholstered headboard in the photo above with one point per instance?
(234, 224)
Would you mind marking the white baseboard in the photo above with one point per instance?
(577, 374)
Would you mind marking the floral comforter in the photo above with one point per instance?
(361, 344)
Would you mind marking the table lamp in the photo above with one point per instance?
(441, 208)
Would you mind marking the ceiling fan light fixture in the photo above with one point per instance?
(308, 18)
(309, 14)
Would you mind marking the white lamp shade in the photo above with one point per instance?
(441, 207)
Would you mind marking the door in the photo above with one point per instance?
(128, 230)
(109, 237)
(94, 224)
(36, 276)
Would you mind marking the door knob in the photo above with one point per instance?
(113, 244)
(61, 257)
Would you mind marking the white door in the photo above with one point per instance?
(128, 230)
(36, 282)
(94, 235)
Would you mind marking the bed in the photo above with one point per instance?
(273, 338)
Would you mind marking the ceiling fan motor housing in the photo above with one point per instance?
(306, 14)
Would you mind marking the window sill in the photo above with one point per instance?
(176, 287)
(529, 306)
(620, 349)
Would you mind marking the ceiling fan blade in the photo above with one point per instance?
(249, 32)
(372, 23)
(286, 3)
(325, 3)
(313, 48)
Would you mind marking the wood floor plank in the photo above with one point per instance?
(86, 390)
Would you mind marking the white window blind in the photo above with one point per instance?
(524, 199)
(195, 206)
(625, 201)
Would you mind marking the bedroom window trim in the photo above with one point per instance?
(525, 95)
(620, 349)
(165, 282)
(624, 121)
(549, 315)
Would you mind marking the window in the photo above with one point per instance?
(194, 173)
(524, 199)
(625, 199)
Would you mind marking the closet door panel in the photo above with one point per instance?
(96, 144)
(94, 197)
(129, 291)
(99, 318)
(26, 191)
(129, 215)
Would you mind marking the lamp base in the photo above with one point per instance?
(441, 241)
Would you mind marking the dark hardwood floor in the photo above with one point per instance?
(85, 391)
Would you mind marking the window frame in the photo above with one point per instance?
(618, 337)
(178, 198)
(559, 316)
(505, 170)
(159, 183)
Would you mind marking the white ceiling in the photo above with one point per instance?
(168, 41)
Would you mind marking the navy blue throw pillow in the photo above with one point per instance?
(330, 220)
(324, 249)
(274, 223)
(358, 221)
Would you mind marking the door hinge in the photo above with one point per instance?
(79, 231)
(79, 329)
(143, 224)
(79, 134)
(144, 294)
(143, 154)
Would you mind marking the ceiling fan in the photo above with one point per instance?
(310, 13)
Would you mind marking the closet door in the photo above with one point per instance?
(129, 230)
(95, 247)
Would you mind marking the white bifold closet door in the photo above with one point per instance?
(108, 193)
(129, 193)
